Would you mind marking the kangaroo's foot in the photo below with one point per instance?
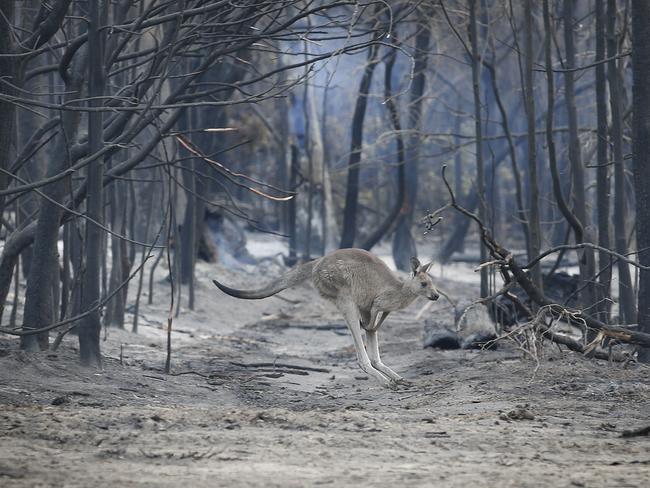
(405, 382)
(400, 384)
(375, 359)
(370, 370)
(385, 370)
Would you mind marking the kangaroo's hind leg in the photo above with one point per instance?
(375, 360)
(351, 313)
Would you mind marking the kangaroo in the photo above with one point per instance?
(362, 287)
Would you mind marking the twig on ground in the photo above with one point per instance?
(280, 365)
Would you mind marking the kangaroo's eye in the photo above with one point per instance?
(423, 285)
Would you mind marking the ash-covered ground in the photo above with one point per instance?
(268, 393)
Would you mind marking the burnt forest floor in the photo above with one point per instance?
(268, 393)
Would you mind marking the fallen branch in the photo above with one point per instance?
(511, 269)
(576, 346)
(269, 321)
(280, 365)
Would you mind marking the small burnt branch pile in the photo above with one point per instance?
(539, 307)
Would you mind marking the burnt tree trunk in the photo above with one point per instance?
(640, 144)
(602, 171)
(8, 72)
(393, 113)
(478, 134)
(556, 180)
(188, 235)
(586, 256)
(291, 213)
(529, 96)
(352, 188)
(516, 173)
(627, 310)
(458, 171)
(145, 251)
(119, 258)
(90, 325)
(403, 243)
(38, 306)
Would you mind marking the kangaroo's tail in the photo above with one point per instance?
(294, 276)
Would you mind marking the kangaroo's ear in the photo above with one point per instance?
(415, 264)
(426, 267)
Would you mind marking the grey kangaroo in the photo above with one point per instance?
(363, 288)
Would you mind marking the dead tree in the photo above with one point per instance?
(627, 310)
(352, 188)
(38, 299)
(521, 213)
(574, 216)
(400, 204)
(120, 261)
(135, 112)
(602, 170)
(529, 102)
(8, 68)
(512, 271)
(478, 133)
(90, 326)
(403, 243)
(640, 143)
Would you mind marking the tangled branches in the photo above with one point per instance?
(543, 313)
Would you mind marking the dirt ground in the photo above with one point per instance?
(268, 393)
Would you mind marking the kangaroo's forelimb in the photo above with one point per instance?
(373, 323)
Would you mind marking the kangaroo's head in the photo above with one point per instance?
(420, 282)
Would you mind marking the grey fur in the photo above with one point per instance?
(362, 287)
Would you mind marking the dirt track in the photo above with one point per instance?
(469, 419)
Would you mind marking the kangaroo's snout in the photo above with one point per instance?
(434, 296)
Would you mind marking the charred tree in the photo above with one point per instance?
(393, 113)
(309, 153)
(533, 184)
(120, 264)
(403, 243)
(478, 135)
(138, 295)
(8, 71)
(602, 171)
(627, 309)
(640, 144)
(38, 297)
(562, 203)
(582, 232)
(352, 188)
(188, 240)
(505, 124)
(294, 170)
(90, 325)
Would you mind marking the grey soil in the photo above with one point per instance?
(267, 393)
